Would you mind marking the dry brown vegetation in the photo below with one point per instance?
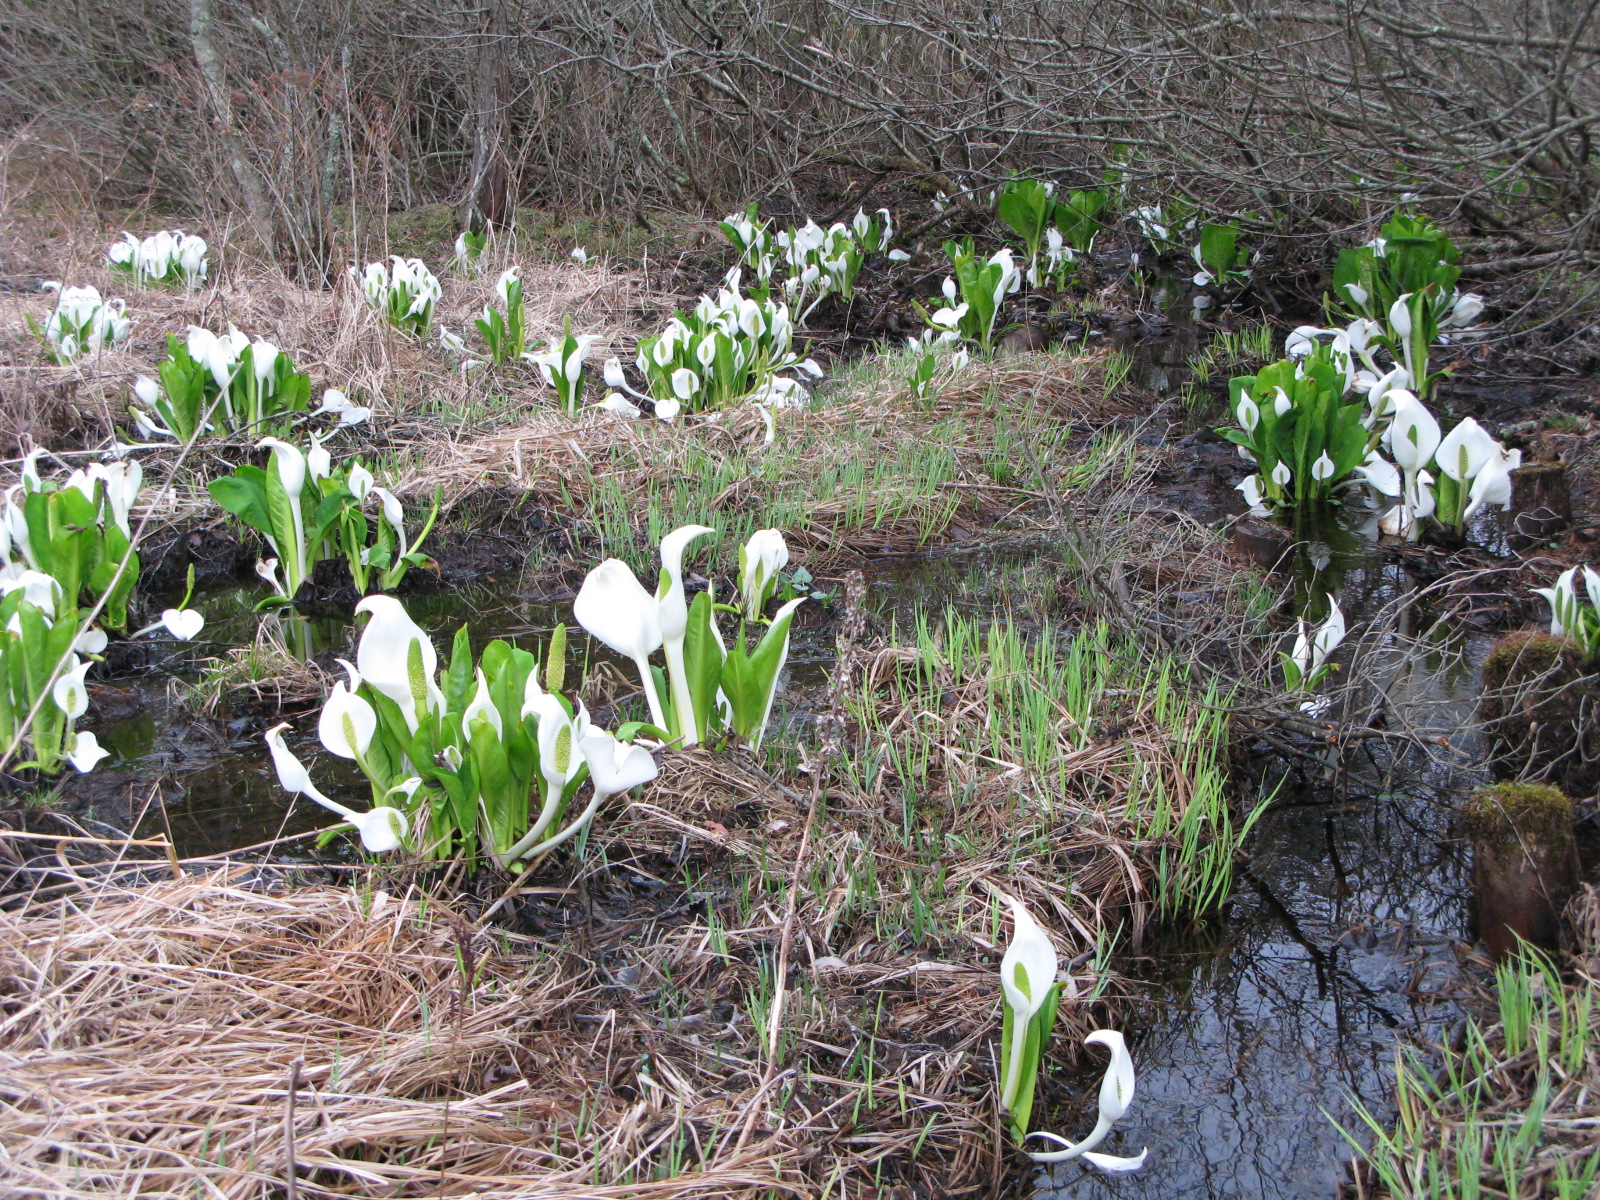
(330, 334)
(220, 1030)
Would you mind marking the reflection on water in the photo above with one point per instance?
(1341, 930)
(1342, 936)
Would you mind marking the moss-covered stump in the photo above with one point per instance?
(1539, 711)
(1524, 863)
(1263, 543)
(1541, 506)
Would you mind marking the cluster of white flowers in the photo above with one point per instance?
(165, 257)
(730, 347)
(83, 323)
(406, 292)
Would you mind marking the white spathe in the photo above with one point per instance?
(383, 657)
(86, 751)
(1116, 1094)
(672, 617)
(614, 607)
(347, 723)
(183, 623)
(1027, 973)
(381, 828)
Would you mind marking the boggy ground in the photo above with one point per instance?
(605, 1026)
(765, 974)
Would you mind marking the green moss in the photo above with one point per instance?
(428, 232)
(1506, 814)
(1536, 697)
(1527, 655)
(1526, 685)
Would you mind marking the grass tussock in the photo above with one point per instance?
(267, 674)
(1512, 1108)
(866, 470)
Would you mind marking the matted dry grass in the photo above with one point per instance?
(331, 335)
(152, 1034)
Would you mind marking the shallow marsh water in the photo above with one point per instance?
(1348, 930)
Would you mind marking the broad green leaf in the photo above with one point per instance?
(702, 660)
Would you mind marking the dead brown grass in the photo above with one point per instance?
(206, 1035)
(331, 335)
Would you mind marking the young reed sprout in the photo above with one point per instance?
(405, 292)
(166, 258)
(82, 323)
(713, 684)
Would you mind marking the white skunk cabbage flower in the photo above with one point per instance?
(763, 556)
(347, 723)
(381, 828)
(384, 657)
(615, 608)
(1116, 1094)
(184, 624)
(69, 692)
(1027, 973)
(86, 752)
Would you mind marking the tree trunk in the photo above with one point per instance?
(245, 175)
(488, 200)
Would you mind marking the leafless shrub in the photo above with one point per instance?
(1315, 117)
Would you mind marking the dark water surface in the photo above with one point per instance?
(1346, 931)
